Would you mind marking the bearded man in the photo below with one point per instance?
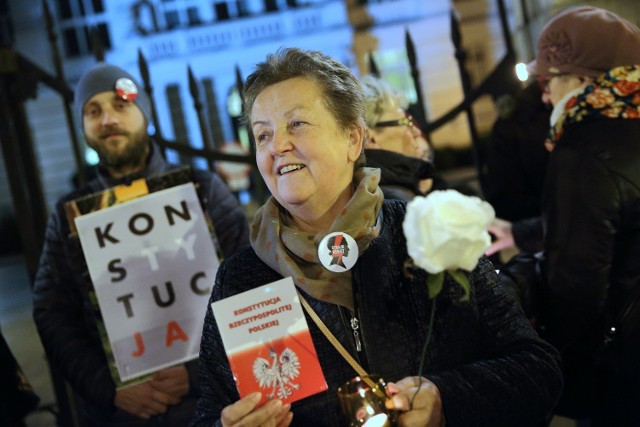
(115, 114)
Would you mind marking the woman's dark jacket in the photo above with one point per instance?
(62, 311)
(516, 159)
(591, 265)
(488, 363)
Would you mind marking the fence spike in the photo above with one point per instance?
(143, 67)
(465, 79)
(240, 88)
(456, 38)
(240, 85)
(411, 48)
(526, 25)
(373, 67)
(78, 156)
(193, 88)
(96, 44)
(48, 19)
(260, 193)
(198, 105)
(420, 111)
(506, 32)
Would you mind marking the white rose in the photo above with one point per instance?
(447, 230)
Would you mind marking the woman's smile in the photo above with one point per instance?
(282, 170)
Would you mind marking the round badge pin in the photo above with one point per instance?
(126, 89)
(338, 252)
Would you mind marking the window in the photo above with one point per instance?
(229, 9)
(172, 19)
(76, 32)
(193, 16)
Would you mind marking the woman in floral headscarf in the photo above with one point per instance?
(588, 64)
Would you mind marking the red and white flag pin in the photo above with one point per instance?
(126, 89)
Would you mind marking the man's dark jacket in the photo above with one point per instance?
(488, 363)
(62, 312)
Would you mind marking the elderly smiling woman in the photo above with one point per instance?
(486, 366)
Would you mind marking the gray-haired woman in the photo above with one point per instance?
(485, 365)
(396, 145)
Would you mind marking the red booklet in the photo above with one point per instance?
(268, 344)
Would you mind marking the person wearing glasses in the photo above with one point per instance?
(588, 276)
(396, 145)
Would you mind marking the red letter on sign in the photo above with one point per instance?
(174, 332)
(140, 350)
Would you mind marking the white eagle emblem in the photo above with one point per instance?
(279, 373)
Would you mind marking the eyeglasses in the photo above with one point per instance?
(408, 121)
(405, 121)
(544, 80)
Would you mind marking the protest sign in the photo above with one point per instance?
(152, 264)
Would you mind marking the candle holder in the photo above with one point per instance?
(363, 402)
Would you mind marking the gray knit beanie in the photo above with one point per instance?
(103, 78)
(586, 41)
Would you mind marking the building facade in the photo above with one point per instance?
(213, 39)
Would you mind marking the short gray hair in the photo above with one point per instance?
(343, 95)
(380, 96)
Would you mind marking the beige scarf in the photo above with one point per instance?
(294, 253)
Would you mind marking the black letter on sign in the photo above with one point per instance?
(104, 235)
(114, 267)
(194, 285)
(156, 295)
(127, 305)
(184, 214)
(142, 231)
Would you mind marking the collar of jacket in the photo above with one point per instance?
(399, 169)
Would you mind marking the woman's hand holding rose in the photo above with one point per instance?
(426, 410)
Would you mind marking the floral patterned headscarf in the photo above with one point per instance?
(613, 95)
